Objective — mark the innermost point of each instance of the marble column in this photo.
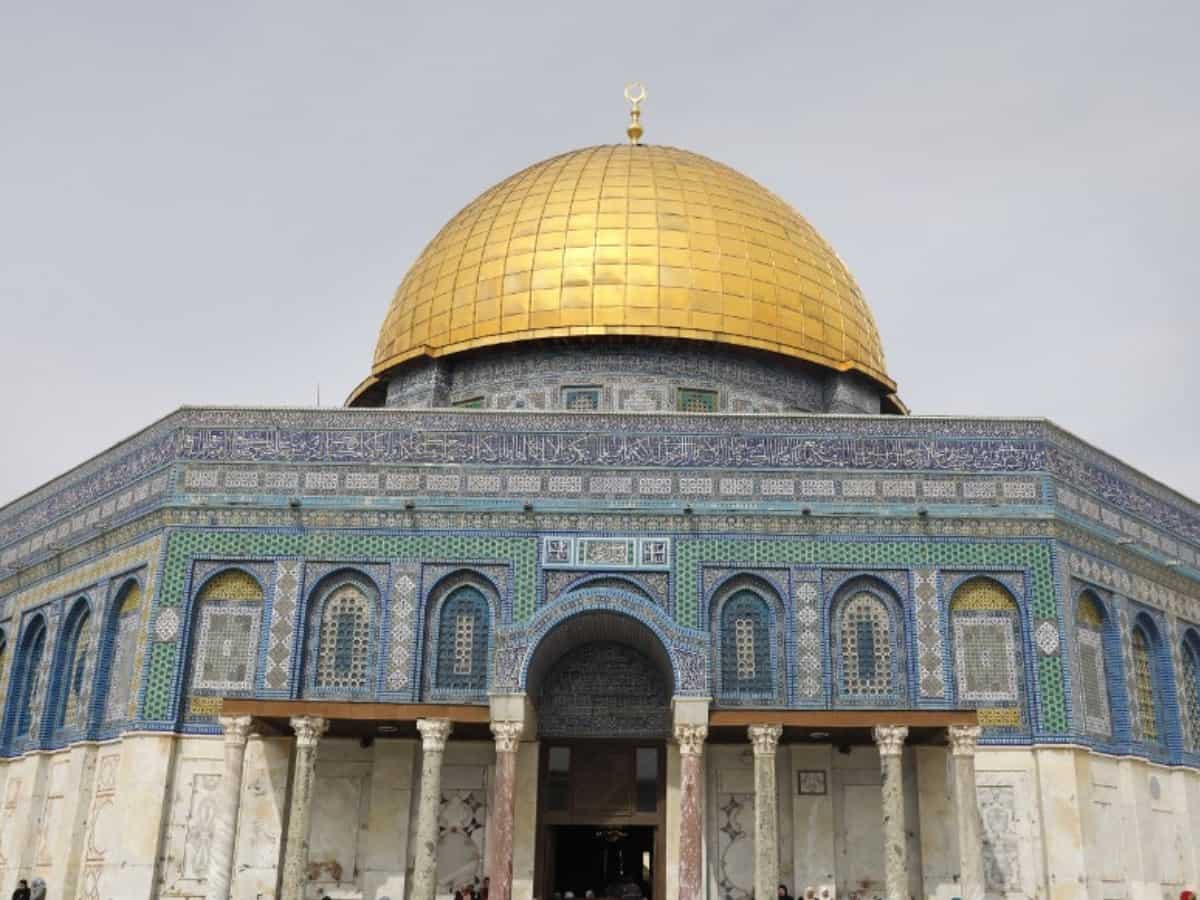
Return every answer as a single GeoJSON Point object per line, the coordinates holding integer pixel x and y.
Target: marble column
{"type": "Point", "coordinates": [765, 739]}
{"type": "Point", "coordinates": [295, 850]}
{"type": "Point", "coordinates": [504, 801]}
{"type": "Point", "coordinates": [890, 740]}
{"type": "Point", "coordinates": [434, 733]}
{"type": "Point", "coordinates": [691, 815]}
{"type": "Point", "coordinates": [220, 856]}
{"type": "Point", "coordinates": [963, 739]}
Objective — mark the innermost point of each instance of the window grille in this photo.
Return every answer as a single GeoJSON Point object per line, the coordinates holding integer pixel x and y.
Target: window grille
{"type": "Point", "coordinates": [696, 400]}
{"type": "Point", "coordinates": [746, 665]}
{"type": "Point", "coordinates": [581, 398]}
{"type": "Point", "coordinates": [1191, 695]}
{"type": "Point", "coordinates": [1143, 687]}
{"type": "Point", "coordinates": [343, 648]}
{"type": "Point", "coordinates": [461, 662]}
{"type": "Point", "coordinates": [1089, 665]}
{"type": "Point", "coordinates": [866, 645]}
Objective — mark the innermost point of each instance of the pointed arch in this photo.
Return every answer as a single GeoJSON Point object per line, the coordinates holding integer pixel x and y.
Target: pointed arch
{"type": "Point", "coordinates": [988, 653]}
{"type": "Point", "coordinates": [746, 610]}
{"type": "Point", "coordinates": [120, 664]}
{"type": "Point", "coordinates": [73, 688]}
{"type": "Point", "coordinates": [1092, 631]}
{"type": "Point", "coordinates": [226, 616]}
{"type": "Point", "coordinates": [460, 617]}
{"type": "Point", "coordinates": [1146, 679]}
{"type": "Point", "coordinates": [867, 628]}
{"type": "Point", "coordinates": [1189, 706]}
{"type": "Point", "coordinates": [342, 636]}
{"type": "Point", "coordinates": [29, 679]}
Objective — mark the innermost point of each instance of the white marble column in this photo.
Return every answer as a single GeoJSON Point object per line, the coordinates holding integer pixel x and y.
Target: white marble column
{"type": "Point", "coordinates": [691, 819]}
{"type": "Point", "coordinates": [295, 851]}
{"type": "Point", "coordinates": [434, 733]}
{"type": "Point", "coordinates": [963, 739]}
{"type": "Point", "coordinates": [890, 740]}
{"type": "Point", "coordinates": [220, 858]}
{"type": "Point", "coordinates": [504, 801]}
{"type": "Point", "coordinates": [765, 739]}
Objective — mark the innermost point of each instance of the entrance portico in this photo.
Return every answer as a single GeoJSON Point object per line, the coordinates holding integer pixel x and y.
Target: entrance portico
{"type": "Point", "coordinates": [666, 853]}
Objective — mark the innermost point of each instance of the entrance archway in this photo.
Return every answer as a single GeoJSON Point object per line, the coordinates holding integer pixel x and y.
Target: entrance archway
{"type": "Point", "coordinates": [601, 683]}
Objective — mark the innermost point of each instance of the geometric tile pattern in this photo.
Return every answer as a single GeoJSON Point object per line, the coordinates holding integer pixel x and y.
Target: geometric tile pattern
{"type": "Point", "coordinates": [226, 646]}
{"type": "Point", "coordinates": [402, 625]}
{"type": "Point", "coordinates": [930, 678]}
{"type": "Point", "coordinates": [1032, 555]}
{"type": "Point", "coordinates": [806, 598]}
{"type": "Point", "coordinates": [288, 575]}
{"type": "Point", "coordinates": [985, 630]}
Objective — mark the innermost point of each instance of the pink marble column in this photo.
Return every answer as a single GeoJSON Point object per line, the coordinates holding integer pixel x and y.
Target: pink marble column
{"type": "Point", "coordinates": [504, 800]}
{"type": "Point", "coordinates": [691, 816]}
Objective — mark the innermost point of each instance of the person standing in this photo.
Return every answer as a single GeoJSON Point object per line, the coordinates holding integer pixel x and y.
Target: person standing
{"type": "Point", "coordinates": [782, 893]}
{"type": "Point", "coordinates": [22, 891]}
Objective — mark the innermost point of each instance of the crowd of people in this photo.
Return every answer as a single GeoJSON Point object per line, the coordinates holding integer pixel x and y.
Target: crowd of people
{"type": "Point", "coordinates": [30, 891]}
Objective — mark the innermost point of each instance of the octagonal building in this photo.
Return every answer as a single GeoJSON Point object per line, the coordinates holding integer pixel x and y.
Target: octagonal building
{"type": "Point", "coordinates": [625, 569]}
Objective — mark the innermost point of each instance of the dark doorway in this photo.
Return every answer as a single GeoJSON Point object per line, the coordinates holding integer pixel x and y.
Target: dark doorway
{"type": "Point", "coordinates": [612, 861]}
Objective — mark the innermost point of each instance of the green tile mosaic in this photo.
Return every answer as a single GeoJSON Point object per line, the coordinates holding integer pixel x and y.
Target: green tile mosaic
{"type": "Point", "coordinates": [185, 545]}
{"type": "Point", "coordinates": [1033, 556]}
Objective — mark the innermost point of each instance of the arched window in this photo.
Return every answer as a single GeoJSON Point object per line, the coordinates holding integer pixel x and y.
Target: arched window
{"type": "Point", "coordinates": [463, 640]}
{"type": "Point", "coordinates": [746, 666]}
{"type": "Point", "coordinates": [123, 626]}
{"type": "Point", "coordinates": [225, 641]}
{"type": "Point", "coordinates": [345, 646]}
{"type": "Point", "coordinates": [74, 688]}
{"type": "Point", "coordinates": [985, 631]}
{"type": "Point", "coordinates": [3, 670]}
{"type": "Point", "coordinates": [1145, 688]}
{"type": "Point", "coordinates": [33, 672]}
{"type": "Point", "coordinates": [1190, 705]}
{"type": "Point", "coordinates": [864, 653]}
{"type": "Point", "coordinates": [1092, 684]}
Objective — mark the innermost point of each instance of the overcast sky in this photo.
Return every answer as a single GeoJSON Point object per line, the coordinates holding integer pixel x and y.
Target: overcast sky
{"type": "Point", "coordinates": [213, 202]}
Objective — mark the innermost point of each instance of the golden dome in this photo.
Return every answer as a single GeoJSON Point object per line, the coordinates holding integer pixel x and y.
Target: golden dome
{"type": "Point", "coordinates": [631, 240]}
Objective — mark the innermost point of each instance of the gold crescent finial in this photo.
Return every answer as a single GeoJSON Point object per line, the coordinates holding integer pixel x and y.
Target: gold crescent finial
{"type": "Point", "coordinates": [635, 93]}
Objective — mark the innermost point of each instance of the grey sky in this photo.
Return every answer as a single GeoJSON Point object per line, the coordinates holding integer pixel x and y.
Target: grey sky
{"type": "Point", "coordinates": [213, 202]}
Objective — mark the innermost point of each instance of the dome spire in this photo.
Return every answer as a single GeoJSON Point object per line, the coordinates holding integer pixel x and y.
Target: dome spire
{"type": "Point", "coordinates": [635, 93]}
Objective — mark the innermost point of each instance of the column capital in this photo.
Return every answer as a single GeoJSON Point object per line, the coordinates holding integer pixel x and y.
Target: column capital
{"type": "Point", "coordinates": [309, 729]}
{"type": "Point", "coordinates": [235, 728]}
{"type": "Point", "coordinates": [890, 739]}
{"type": "Point", "coordinates": [434, 733]}
{"type": "Point", "coordinates": [690, 739]}
{"type": "Point", "coordinates": [963, 739]}
{"type": "Point", "coordinates": [765, 738]}
{"type": "Point", "coordinates": [508, 736]}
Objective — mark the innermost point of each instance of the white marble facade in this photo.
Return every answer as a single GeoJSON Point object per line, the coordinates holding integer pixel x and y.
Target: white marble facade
{"type": "Point", "coordinates": [133, 819]}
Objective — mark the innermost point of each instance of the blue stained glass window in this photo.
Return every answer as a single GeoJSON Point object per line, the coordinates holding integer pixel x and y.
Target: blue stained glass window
{"type": "Point", "coordinates": [343, 654]}
{"type": "Point", "coordinates": [746, 645]}
{"type": "Point", "coordinates": [866, 667]}
{"type": "Point", "coordinates": [461, 662]}
{"type": "Point", "coordinates": [866, 650]}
